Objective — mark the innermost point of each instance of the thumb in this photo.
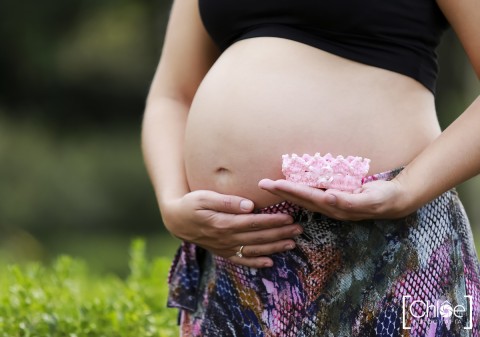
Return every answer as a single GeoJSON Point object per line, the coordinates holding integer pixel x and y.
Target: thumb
{"type": "Point", "coordinates": [246, 205]}
{"type": "Point", "coordinates": [227, 203]}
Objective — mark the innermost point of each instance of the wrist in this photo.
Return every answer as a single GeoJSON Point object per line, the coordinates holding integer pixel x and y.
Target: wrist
{"type": "Point", "coordinates": [406, 202]}
{"type": "Point", "coordinates": [170, 217]}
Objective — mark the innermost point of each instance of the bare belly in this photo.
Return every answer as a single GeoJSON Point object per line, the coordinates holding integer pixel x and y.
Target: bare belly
{"type": "Point", "coordinates": [265, 97]}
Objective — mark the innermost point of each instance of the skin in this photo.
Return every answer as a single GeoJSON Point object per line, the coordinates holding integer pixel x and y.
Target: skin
{"type": "Point", "coordinates": [203, 128]}
{"type": "Point", "coordinates": [456, 152]}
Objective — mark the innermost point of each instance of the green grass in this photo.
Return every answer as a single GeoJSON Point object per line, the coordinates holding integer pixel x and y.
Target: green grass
{"type": "Point", "coordinates": [108, 252]}
{"type": "Point", "coordinates": [66, 299]}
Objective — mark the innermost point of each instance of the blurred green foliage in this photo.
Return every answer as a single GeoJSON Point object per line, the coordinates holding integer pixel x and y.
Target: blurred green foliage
{"type": "Point", "coordinates": [74, 194]}
{"type": "Point", "coordinates": [74, 77]}
{"type": "Point", "coordinates": [65, 299]}
{"type": "Point", "coordinates": [79, 61]}
{"type": "Point", "coordinates": [74, 182]}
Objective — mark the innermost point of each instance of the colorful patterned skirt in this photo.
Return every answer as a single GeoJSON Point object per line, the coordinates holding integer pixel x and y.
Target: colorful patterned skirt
{"type": "Point", "coordinates": [414, 276]}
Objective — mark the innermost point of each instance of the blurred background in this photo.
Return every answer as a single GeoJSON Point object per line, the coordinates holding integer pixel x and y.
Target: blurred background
{"type": "Point", "coordinates": [73, 80]}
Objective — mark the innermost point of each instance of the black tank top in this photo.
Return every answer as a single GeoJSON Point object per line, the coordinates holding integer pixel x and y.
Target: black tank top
{"type": "Point", "coordinates": [398, 35]}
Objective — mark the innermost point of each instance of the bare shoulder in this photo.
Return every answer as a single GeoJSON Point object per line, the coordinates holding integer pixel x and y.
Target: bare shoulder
{"type": "Point", "coordinates": [464, 16]}
{"type": "Point", "coordinates": [188, 53]}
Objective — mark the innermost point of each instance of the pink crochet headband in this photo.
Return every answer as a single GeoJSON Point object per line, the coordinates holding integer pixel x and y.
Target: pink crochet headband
{"type": "Point", "coordinates": [326, 171]}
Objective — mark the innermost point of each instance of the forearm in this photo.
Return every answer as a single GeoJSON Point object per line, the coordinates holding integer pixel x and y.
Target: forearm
{"type": "Point", "coordinates": [162, 145]}
{"type": "Point", "coordinates": [451, 159]}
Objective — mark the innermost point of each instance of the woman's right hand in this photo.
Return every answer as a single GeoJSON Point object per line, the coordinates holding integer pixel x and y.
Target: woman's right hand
{"type": "Point", "coordinates": [223, 223]}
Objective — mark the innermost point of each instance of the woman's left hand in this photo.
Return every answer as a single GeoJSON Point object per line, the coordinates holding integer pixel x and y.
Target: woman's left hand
{"type": "Point", "coordinates": [374, 200]}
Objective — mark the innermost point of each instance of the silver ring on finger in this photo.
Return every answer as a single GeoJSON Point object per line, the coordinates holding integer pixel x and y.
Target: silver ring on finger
{"type": "Point", "coordinates": [239, 252]}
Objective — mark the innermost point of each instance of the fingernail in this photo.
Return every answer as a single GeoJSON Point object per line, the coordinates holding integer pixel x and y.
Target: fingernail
{"type": "Point", "coordinates": [264, 183]}
{"type": "Point", "coordinates": [246, 205]}
{"type": "Point", "coordinates": [268, 264]}
{"type": "Point", "coordinates": [331, 199]}
{"type": "Point", "coordinates": [297, 231]}
{"type": "Point", "coordinates": [289, 247]}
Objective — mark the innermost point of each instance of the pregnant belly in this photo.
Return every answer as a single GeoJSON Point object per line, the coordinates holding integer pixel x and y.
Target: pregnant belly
{"type": "Point", "coordinates": [266, 97]}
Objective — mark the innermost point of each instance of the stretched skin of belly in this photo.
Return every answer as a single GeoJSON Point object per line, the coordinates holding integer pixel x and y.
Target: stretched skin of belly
{"type": "Point", "coordinates": [265, 97]}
